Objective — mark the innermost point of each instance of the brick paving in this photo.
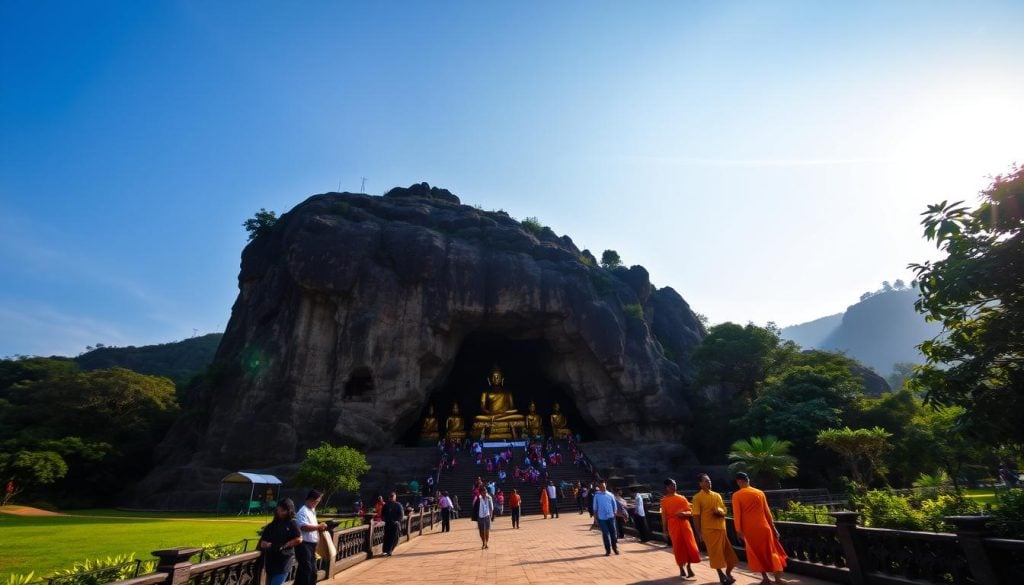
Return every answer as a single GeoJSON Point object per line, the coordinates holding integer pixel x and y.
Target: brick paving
{"type": "Point", "coordinates": [542, 551]}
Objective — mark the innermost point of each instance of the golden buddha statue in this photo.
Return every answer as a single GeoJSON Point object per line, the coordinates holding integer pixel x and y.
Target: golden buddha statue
{"type": "Point", "coordinates": [534, 422]}
{"type": "Point", "coordinates": [428, 432]}
{"type": "Point", "coordinates": [455, 426]}
{"type": "Point", "coordinates": [559, 426]}
{"type": "Point", "coordinates": [498, 418]}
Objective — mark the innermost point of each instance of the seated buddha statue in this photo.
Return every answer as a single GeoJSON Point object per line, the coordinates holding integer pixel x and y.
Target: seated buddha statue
{"type": "Point", "coordinates": [534, 422]}
{"type": "Point", "coordinates": [559, 426]}
{"type": "Point", "coordinates": [498, 416]}
{"type": "Point", "coordinates": [455, 426]}
{"type": "Point", "coordinates": [428, 432]}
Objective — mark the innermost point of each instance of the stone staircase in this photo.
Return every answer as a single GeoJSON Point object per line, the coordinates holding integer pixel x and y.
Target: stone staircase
{"type": "Point", "coordinates": [459, 482]}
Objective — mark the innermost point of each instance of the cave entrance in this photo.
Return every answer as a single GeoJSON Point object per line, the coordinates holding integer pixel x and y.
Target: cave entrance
{"type": "Point", "coordinates": [526, 364]}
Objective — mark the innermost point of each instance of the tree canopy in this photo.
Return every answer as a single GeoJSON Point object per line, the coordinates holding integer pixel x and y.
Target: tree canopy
{"type": "Point", "coordinates": [977, 292]}
{"type": "Point", "coordinates": [102, 425]}
{"type": "Point", "coordinates": [331, 469]}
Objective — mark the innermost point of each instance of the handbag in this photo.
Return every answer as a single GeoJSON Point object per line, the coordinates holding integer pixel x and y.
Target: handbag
{"type": "Point", "coordinates": [476, 510]}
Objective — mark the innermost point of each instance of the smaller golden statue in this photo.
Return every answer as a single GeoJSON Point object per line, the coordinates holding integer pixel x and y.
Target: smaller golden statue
{"type": "Point", "coordinates": [428, 432]}
{"type": "Point", "coordinates": [455, 426]}
{"type": "Point", "coordinates": [534, 422]}
{"type": "Point", "coordinates": [559, 426]}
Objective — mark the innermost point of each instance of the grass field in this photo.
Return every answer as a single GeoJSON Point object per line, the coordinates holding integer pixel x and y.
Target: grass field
{"type": "Point", "coordinates": [44, 544]}
{"type": "Point", "coordinates": [983, 496]}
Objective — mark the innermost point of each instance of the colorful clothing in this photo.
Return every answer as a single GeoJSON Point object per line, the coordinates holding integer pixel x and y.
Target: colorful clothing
{"type": "Point", "coordinates": [684, 545]}
{"type": "Point", "coordinates": [544, 504]}
{"type": "Point", "coordinates": [712, 529]}
{"type": "Point", "coordinates": [753, 519]}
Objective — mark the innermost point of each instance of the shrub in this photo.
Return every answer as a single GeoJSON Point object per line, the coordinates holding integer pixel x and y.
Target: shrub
{"type": "Point", "coordinates": [533, 225]}
{"type": "Point", "coordinates": [882, 509]}
{"type": "Point", "coordinates": [935, 511]}
{"type": "Point", "coordinates": [798, 512]}
{"type": "Point", "coordinates": [100, 571]}
{"type": "Point", "coordinates": [260, 223]}
{"type": "Point", "coordinates": [1008, 513]}
{"type": "Point", "coordinates": [633, 310]}
{"type": "Point", "coordinates": [20, 579]}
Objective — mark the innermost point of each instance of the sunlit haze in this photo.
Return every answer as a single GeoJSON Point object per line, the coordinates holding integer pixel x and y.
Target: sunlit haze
{"type": "Point", "coordinates": [768, 160]}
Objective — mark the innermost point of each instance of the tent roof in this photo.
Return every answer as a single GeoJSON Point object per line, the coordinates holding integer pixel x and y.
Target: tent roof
{"type": "Point", "coordinates": [253, 478]}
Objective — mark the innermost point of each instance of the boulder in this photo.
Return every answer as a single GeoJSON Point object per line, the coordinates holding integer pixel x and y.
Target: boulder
{"type": "Point", "coordinates": [352, 308]}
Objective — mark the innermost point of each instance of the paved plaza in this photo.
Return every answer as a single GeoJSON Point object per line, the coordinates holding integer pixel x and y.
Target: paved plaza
{"type": "Point", "coordinates": [542, 551]}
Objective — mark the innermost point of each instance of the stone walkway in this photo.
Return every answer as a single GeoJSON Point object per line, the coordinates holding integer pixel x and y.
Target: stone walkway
{"type": "Point", "coordinates": [542, 551]}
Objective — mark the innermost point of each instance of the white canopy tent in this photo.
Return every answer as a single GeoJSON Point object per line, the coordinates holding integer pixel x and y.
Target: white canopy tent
{"type": "Point", "coordinates": [253, 480]}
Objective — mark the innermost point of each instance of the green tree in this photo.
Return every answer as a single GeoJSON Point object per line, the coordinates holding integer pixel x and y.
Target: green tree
{"type": "Point", "coordinates": [330, 469]}
{"type": "Point", "coordinates": [104, 424]}
{"type": "Point", "coordinates": [260, 223]}
{"type": "Point", "coordinates": [977, 292]}
{"type": "Point", "coordinates": [767, 459]}
{"type": "Point", "coordinates": [737, 359]}
{"type": "Point", "coordinates": [29, 469]}
{"type": "Point", "coordinates": [862, 449]}
{"type": "Point", "coordinates": [801, 402]}
{"type": "Point", "coordinates": [939, 440]}
{"type": "Point", "coordinates": [901, 372]}
{"type": "Point", "coordinates": [610, 259]}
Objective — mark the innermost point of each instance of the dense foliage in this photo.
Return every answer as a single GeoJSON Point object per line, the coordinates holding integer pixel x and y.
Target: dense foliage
{"type": "Point", "coordinates": [181, 361]}
{"type": "Point", "coordinates": [756, 385]}
{"type": "Point", "coordinates": [977, 292]}
{"type": "Point", "coordinates": [74, 437]}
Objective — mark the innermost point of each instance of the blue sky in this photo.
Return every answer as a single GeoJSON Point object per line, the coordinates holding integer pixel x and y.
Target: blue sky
{"type": "Point", "coordinates": [767, 159]}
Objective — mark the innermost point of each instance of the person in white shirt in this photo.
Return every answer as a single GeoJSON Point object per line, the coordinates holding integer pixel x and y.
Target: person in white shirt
{"type": "Point", "coordinates": [485, 514]}
{"type": "Point", "coordinates": [640, 516]}
{"type": "Point", "coordinates": [553, 498]}
{"type": "Point", "coordinates": [305, 553]}
{"type": "Point", "coordinates": [446, 505]}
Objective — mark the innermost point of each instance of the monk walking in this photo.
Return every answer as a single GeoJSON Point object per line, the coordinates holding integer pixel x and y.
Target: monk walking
{"type": "Point", "coordinates": [709, 520]}
{"type": "Point", "coordinates": [756, 528]}
{"type": "Point", "coordinates": [544, 503]}
{"type": "Point", "coordinates": [675, 518]}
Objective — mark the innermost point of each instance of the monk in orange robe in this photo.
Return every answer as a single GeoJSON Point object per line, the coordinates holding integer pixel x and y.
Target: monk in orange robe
{"type": "Point", "coordinates": [544, 504]}
{"type": "Point", "coordinates": [756, 528]}
{"type": "Point", "coordinates": [675, 520]}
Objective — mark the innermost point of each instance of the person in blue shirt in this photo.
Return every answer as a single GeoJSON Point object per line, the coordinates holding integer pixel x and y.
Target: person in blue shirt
{"type": "Point", "coordinates": [604, 509]}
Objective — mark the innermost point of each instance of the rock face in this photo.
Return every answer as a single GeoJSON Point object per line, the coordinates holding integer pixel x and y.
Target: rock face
{"type": "Point", "coordinates": [352, 309]}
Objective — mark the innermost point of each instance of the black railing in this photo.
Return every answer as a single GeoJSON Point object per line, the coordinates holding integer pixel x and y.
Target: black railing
{"type": "Point", "coordinates": [178, 566]}
{"type": "Point", "coordinates": [846, 553]}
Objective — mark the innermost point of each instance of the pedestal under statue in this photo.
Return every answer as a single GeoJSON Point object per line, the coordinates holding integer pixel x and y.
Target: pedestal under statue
{"type": "Point", "coordinates": [498, 418]}
{"type": "Point", "coordinates": [455, 425]}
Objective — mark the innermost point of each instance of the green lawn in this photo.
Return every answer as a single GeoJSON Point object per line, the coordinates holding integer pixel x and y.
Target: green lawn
{"type": "Point", "coordinates": [982, 496]}
{"type": "Point", "coordinates": [48, 543]}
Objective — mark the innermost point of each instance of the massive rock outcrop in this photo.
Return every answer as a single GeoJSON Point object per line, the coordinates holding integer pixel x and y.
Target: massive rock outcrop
{"type": "Point", "coordinates": [352, 309]}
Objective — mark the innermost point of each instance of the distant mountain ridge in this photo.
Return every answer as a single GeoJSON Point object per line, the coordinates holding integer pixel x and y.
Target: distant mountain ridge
{"type": "Point", "coordinates": [880, 331]}
{"type": "Point", "coordinates": [178, 360]}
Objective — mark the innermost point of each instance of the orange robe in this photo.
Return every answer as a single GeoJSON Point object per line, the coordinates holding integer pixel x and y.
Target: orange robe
{"type": "Point", "coordinates": [544, 507]}
{"type": "Point", "coordinates": [753, 519]}
{"type": "Point", "coordinates": [684, 545]}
